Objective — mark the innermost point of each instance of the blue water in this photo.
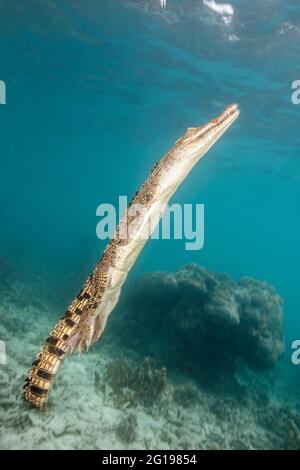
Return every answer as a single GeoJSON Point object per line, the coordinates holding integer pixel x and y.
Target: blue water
{"type": "Point", "coordinates": [98, 91]}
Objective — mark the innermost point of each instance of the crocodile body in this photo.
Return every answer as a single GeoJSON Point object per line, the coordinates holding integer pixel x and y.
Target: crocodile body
{"type": "Point", "coordinates": [85, 319]}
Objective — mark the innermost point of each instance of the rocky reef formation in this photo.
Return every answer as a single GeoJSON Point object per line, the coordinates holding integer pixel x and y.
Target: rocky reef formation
{"type": "Point", "coordinates": [133, 402]}
{"type": "Point", "coordinates": [201, 322]}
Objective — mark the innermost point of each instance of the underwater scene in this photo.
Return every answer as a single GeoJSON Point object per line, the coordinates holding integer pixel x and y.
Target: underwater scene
{"type": "Point", "coordinates": [103, 102]}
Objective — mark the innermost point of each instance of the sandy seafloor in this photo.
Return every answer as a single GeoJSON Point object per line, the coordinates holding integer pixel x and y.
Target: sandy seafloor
{"type": "Point", "coordinates": [82, 411]}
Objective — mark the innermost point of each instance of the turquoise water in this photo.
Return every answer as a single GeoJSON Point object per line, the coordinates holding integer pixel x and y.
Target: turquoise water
{"type": "Point", "coordinates": [97, 91]}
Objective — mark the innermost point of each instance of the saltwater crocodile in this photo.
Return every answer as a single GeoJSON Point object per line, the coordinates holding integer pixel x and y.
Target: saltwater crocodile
{"type": "Point", "coordinates": [85, 319]}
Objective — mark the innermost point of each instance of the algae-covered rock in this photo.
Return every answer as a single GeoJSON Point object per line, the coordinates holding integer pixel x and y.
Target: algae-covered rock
{"type": "Point", "coordinates": [126, 429]}
{"type": "Point", "coordinates": [186, 395]}
{"type": "Point", "coordinates": [201, 322]}
{"type": "Point", "coordinates": [135, 384]}
{"type": "Point", "coordinates": [284, 423]}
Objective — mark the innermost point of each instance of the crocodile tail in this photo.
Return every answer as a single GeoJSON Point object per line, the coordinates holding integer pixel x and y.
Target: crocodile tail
{"type": "Point", "coordinates": [41, 375]}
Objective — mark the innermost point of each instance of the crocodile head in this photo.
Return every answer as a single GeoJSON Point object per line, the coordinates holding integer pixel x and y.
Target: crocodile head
{"type": "Point", "coordinates": [198, 140]}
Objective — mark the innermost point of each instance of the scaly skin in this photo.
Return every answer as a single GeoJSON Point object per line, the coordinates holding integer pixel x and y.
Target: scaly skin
{"type": "Point", "coordinates": [86, 317]}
